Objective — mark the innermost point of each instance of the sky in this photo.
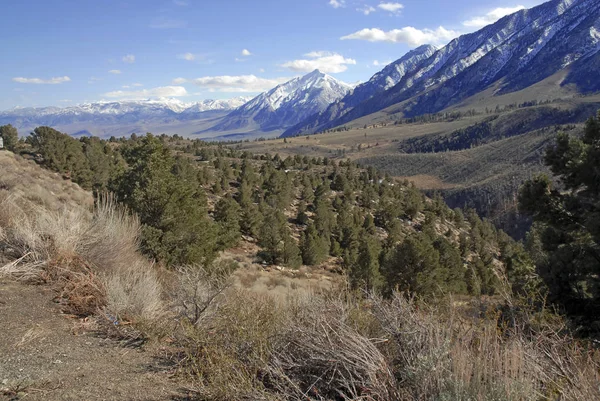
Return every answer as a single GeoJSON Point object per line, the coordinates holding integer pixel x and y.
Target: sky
{"type": "Point", "coordinates": [67, 52]}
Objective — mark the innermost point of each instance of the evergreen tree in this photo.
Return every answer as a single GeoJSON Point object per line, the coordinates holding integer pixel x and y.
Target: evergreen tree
{"type": "Point", "coordinates": [270, 236]}
{"type": "Point", "coordinates": [569, 220]}
{"type": "Point", "coordinates": [175, 224]}
{"type": "Point", "coordinates": [227, 215]}
{"type": "Point", "coordinates": [415, 266]}
{"type": "Point", "coordinates": [10, 137]}
{"type": "Point", "coordinates": [314, 248]}
{"type": "Point", "coordinates": [61, 153]}
{"type": "Point", "coordinates": [290, 253]}
{"type": "Point", "coordinates": [251, 220]}
{"type": "Point", "coordinates": [364, 272]}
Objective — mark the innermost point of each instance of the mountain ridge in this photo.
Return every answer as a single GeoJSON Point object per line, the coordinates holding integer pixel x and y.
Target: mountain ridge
{"type": "Point", "coordinates": [522, 48]}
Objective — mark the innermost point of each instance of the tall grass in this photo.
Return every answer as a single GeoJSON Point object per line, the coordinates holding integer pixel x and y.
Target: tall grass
{"type": "Point", "coordinates": [93, 256]}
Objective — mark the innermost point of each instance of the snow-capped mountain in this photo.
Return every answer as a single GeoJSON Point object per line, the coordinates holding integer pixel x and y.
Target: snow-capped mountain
{"type": "Point", "coordinates": [116, 112]}
{"type": "Point", "coordinates": [286, 104]}
{"type": "Point", "coordinates": [516, 52]}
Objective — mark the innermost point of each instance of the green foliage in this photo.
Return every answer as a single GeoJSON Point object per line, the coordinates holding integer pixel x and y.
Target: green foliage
{"type": "Point", "coordinates": [61, 153]}
{"type": "Point", "coordinates": [568, 220]}
{"type": "Point", "coordinates": [364, 272]}
{"type": "Point", "coordinates": [227, 215]}
{"type": "Point", "coordinates": [313, 246]}
{"type": "Point", "coordinates": [290, 254]}
{"type": "Point", "coordinates": [365, 221]}
{"type": "Point", "coordinates": [170, 203]}
{"type": "Point", "coordinates": [272, 233]}
{"type": "Point", "coordinates": [10, 137]}
{"type": "Point", "coordinates": [414, 266]}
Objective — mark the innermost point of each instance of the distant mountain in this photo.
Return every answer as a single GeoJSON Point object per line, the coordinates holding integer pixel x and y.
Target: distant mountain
{"type": "Point", "coordinates": [118, 112]}
{"type": "Point", "coordinates": [383, 80]}
{"type": "Point", "coordinates": [286, 104]}
{"type": "Point", "coordinates": [514, 53]}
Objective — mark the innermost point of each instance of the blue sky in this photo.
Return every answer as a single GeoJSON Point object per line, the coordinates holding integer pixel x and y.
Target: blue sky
{"type": "Point", "coordinates": [65, 52]}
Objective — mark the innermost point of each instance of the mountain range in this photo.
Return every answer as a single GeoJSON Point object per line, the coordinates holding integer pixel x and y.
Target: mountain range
{"type": "Point", "coordinates": [512, 54]}
{"type": "Point", "coordinates": [560, 39]}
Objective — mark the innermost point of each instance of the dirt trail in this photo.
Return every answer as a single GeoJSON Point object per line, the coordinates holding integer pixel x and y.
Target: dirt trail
{"type": "Point", "coordinates": [44, 357]}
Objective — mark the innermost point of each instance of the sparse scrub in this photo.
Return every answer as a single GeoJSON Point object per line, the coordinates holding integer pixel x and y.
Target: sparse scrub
{"type": "Point", "coordinates": [92, 256]}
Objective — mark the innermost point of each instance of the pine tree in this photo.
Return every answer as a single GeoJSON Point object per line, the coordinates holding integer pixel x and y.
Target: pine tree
{"type": "Point", "coordinates": [227, 215]}
{"type": "Point", "coordinates": [271, 235]}
{"type": "Point", "coordinates": [175, 224]}
{"type": "Point", "coordinates": [569, 219]}
{"type": "Point", "coordinates": [290, 253]}
{"type": "Point", "coordinates": [314, 248]}
{"type": "Point", "coordinates": [10, 137]}
{"type": "Point", "coordinates": [414, 266]}
{"type": "Point", "coordinates": [62, 154]}
{"type": "Point", "coordinates": [364, 272]}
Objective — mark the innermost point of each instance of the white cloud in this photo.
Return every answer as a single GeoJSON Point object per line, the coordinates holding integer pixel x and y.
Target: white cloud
{"type": "Point", "coordinates": [125, 86]}
{"type": "Point", "coordinates": [137, 85]}
{"type": "Point", "coordinates": [377, 63]}
{"type": "Point", "coordinates": [261, 70]}
{"type": "Point", "coordinates": [164, 91]}
{"type": "Point", "coordinates": [337, 3]}
{"type": "Point", "coordinates": [491, 17]}
{"type": "Point", "coordinates": [116, 72]}
{"type": "Point", "coordinates": [93, 80]}
{"type": "Point", "coordinates": [366, 10]}
{"type": "Point", "coordinates": [246, 53]}
{"type": "Point", "coordinates": [166, 23]}
{"type": "Point", "coordinates": [393, 8]}
{"type": "Point", "coordinates": [187, 56]}
{"type": "Point", "coordinates": [129, 59]}
{"type": "Point", "coordinates": [324, 61]}
{"type": "Point", "coordinates": [408, 35]}
{"type": "Point", "coordinates": [240, 83]}
{"type": "Point", "coordinates": [40, 81]}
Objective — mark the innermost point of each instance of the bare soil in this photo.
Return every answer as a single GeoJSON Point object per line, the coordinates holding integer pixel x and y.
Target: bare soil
{"type": "Point", "coordinates": [47, 355]}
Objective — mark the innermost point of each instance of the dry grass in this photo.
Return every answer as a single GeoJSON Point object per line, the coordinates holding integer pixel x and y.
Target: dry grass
{"type": "Point", "coordinates": [90, 254]}
{"type": "Point", "coordinates": [345, 348]}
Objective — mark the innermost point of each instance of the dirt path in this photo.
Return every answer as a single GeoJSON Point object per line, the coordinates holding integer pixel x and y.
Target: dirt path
{"type": "Point", "coordinates": [44, 357]}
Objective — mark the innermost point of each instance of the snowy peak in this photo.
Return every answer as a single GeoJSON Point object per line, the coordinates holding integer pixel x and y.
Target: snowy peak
{"type": "Point", "coordinates": [108, 116]}
{"type": "Point", "coordinates": [287, 104]}
{"type": "Point", "coordinates": [299, 90]}
{"type": "Point", "coordinates": [119, 108]}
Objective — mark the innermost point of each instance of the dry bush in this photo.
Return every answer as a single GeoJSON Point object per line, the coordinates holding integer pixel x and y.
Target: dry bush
{"type": "Point", "coordinates": [113, 236]}
{"type": "Point", "coordinates": [442, 356]}
{"type": "Point", "coordinates": [93, 257]}
{"type": "Point", "coordinates": [197, 291]}
{"type": "Point", "coordinates": [320, 356]}
{"type": "Point", "coordinates": [225, 355]}
{"type": "Point", "coordinates": [253, 347]}
{"type": "Point", "coordinates": [134, 292]}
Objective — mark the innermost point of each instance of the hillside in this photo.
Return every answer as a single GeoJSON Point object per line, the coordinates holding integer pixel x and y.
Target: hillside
{"type": "Point", "coordinates": [276, 247]}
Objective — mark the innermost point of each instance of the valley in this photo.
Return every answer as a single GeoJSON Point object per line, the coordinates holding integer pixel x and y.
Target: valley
{"type": "Point", "coordinates": [257, 207]}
